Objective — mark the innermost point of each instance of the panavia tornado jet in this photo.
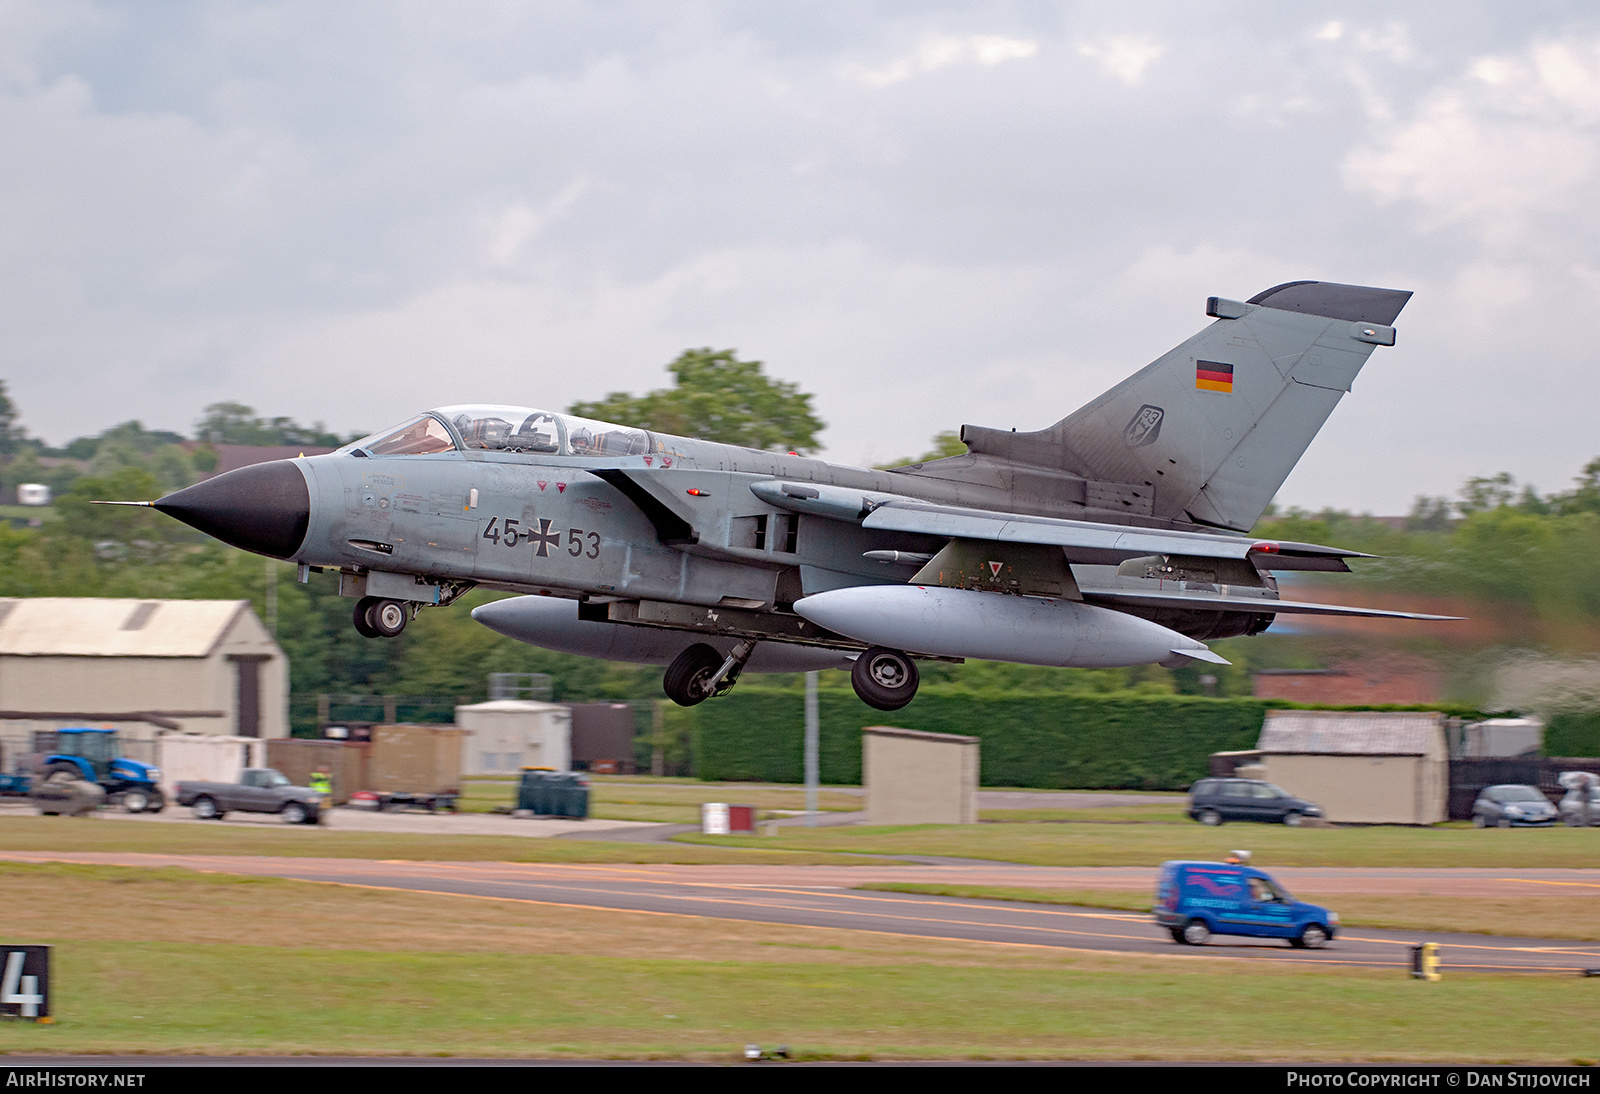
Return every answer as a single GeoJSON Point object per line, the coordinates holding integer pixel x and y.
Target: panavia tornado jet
{"type": "Point", "coordinates": [1118, 536]}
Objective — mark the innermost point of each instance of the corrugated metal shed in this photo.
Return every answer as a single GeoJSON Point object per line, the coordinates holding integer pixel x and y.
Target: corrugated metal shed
{"type": "Point", "coordinates": [1352, 733]}
{"type": "Point", "coordinates": [95, 627]}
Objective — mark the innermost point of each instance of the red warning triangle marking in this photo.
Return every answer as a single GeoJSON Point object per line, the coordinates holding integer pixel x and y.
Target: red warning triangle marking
{"type": "Point", "coordinates": [994, 568]}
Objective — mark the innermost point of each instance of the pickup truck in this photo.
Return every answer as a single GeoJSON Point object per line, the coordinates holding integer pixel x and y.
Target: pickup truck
{"type": "Point", "coordinates": [259, 790]}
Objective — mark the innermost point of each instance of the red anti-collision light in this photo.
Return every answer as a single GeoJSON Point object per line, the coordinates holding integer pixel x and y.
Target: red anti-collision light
{"type": "Point", "coordinates": [1265, 548]}
{"type": "Point", "coordinates": [697, 493]}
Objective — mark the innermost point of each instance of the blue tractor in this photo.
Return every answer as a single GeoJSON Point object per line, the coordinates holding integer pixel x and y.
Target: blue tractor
{"type": "Point", "coordinates": [91, 755]}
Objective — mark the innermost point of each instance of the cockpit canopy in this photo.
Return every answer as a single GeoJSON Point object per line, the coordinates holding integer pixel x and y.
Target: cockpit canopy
{"type": "Point", "coordinates": [506, 429]}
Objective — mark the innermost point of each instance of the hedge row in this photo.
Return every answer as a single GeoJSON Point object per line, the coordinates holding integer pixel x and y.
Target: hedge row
{"type": "Point", "coordinates": [1573, 733]}
{"type": "Point", "coordinates": [1153, 742]}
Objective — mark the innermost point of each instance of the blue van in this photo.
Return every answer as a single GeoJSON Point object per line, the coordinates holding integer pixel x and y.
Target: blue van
{"type": "Point", "coordinates": [1195, 900]}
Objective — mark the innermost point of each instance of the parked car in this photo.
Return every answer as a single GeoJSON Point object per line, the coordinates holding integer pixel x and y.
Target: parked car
{"type": "Point", "coordinates": [1195, 900]}
{"type": "Point", "coordinates": [1511, 806]}
{"type": "Point", "coordinates": [1212, 801]}
{"type": "Point", "coordinates": [259, 790]}
{"type": "Point", "coordinates": [1580, 785]}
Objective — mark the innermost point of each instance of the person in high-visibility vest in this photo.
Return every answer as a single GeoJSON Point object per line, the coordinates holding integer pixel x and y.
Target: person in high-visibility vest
{"type": "Point", "coordinates": [322, 786]}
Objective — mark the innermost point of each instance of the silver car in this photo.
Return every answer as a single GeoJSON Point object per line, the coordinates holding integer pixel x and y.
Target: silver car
{"type": "Point", "coordinates": [1511, 806]}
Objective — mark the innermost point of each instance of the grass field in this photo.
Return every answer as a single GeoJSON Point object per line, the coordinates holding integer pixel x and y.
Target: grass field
{"type": "Point", "coordinates": [27, 833]}
{"type": "Point", "coordinates": [669, 801]}
{"type": "Point", "coordinates": [267, 966]}
{"type": "Point", "coordinates": [1149, 844]}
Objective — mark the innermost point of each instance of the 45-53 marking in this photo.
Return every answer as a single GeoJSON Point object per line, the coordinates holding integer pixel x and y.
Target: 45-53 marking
{"type": "Point", "coordinates": [510, 532]}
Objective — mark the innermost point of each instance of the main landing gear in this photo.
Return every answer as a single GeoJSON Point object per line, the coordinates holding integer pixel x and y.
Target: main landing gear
{"type": "Point", "coordinates": [884, 678]}
{"type": "Point", "coordinates": [700, 672]}
{"type": "Point", "coordinates": [379, 618]}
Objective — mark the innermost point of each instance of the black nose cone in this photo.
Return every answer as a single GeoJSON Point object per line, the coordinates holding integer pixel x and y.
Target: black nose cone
{"type": "Point", "coordinates": [263, 508]}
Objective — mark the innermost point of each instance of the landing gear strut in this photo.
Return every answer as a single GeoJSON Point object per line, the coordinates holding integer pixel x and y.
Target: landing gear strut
{"type": "Point", "coordinates": [883, 678]}
{"type": "Point", "coordinates": [700, 672]}
{"type": "Point", "coordinates": [379, 618]}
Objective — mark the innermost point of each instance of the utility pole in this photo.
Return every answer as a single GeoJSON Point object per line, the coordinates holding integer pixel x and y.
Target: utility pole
{"type": "Point", "coordinates": [812, 763]}
{"type": "Point", "coordinates": [658, 735]}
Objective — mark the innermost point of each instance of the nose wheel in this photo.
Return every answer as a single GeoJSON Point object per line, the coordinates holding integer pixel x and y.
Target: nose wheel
{"type": "Point", "coordinates": [687, 679]}
{"type": "Point", "coordinates": [700, 672]}
{"type": "Point", "coordinates": [883, 678]}
{"type": "Point", "coordinates": [379, 618]}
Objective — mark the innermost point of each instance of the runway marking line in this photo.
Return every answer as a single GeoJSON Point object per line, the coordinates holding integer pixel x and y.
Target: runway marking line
{"type": "Point", "coordinates": [840, 891]}
{"type": "Point", "coordinates": [1542, 881]}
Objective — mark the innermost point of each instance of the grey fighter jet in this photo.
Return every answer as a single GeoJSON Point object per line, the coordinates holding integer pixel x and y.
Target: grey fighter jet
{"type": "Point", "coordinates": [1118, 536]}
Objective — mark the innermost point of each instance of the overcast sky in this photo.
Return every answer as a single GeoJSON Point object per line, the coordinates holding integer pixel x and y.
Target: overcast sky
{"type": "Point", "coordinates": [924, 213]}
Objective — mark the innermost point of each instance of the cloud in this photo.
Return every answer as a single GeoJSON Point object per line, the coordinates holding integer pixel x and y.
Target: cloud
{"type": "Point", "coordinates": [1504, 147]}
{"type": "Point", "coordinates": [936, 51]}
{"type": "Point", "coordinates": [1124, 56]}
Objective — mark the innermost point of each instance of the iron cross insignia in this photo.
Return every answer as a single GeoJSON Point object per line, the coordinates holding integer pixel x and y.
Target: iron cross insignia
{"type": "Point", "coordinates": [545, 538]}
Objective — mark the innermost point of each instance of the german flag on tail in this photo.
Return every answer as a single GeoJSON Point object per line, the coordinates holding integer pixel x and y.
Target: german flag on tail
{"type": "Point", "coordinates": [1213, 376]}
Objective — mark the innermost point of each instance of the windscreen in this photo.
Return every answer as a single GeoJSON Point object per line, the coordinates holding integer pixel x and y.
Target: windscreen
{"type": "Point", "coordinates": [420, 436]}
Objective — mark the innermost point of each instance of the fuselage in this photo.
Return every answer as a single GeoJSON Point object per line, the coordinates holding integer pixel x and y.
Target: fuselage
{"type": "Point", "coordinates": [481, 504]}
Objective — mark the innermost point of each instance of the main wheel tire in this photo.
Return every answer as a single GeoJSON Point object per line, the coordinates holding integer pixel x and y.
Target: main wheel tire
{"type": "Point", "coordinates": [1196, 933]}
{"type": "Point", "coordinates": [388, 618]}
{"type": "Point", "coordinates": [686, 678]}
{"type": "Point", "coordinates": [135, 801]}
{"type": "Point", "coordinates": [293, 813]}
{"type": "Point", "coordinates": [1503, 822]}
{"type": "Point", "coordinates": [1209, 817]}
{"type": "Point", "coordinates": [363, 626]}
{"type": "Point", "coordinates": [1294, 820]}
{"type": "Point", "coordinates": [1479, 821]}
{"type": "Point", "coordinates": [1177, 934]}
{"type": "Point", "coordinates": [885, 679]}
{"type": "Point", "coordinates": [1312, 937]}
{"type": "Point", "coordinates": [206, 809]}
{"type": "Point", "coordinates": [63, 772]}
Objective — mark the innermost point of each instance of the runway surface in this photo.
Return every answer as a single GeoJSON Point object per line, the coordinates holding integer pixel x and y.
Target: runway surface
{"type": "Point", "coordinates": [819, 896]}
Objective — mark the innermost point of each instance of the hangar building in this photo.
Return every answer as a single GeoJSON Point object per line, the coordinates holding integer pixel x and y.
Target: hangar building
{"type": "Point", "coordinates": [194, 666]}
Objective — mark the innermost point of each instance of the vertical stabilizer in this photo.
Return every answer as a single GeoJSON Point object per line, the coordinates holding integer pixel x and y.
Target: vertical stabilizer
{"type": "Point", "coordinates": [1212, 428]}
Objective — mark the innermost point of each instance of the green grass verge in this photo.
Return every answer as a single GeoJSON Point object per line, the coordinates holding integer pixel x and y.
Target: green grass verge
{"type": "Point", "coordinates": [259, 1000]}
{"type": "Point", "coordinates": [1152, 844]}
{"type": "Point", "coordinates": [1110, 814]}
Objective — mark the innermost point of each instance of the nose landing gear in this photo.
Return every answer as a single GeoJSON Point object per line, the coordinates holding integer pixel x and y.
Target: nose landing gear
{"type": "Point", "coordinates": [700, 672]}
{"type": "Point", "coordinates": [376, 617]}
